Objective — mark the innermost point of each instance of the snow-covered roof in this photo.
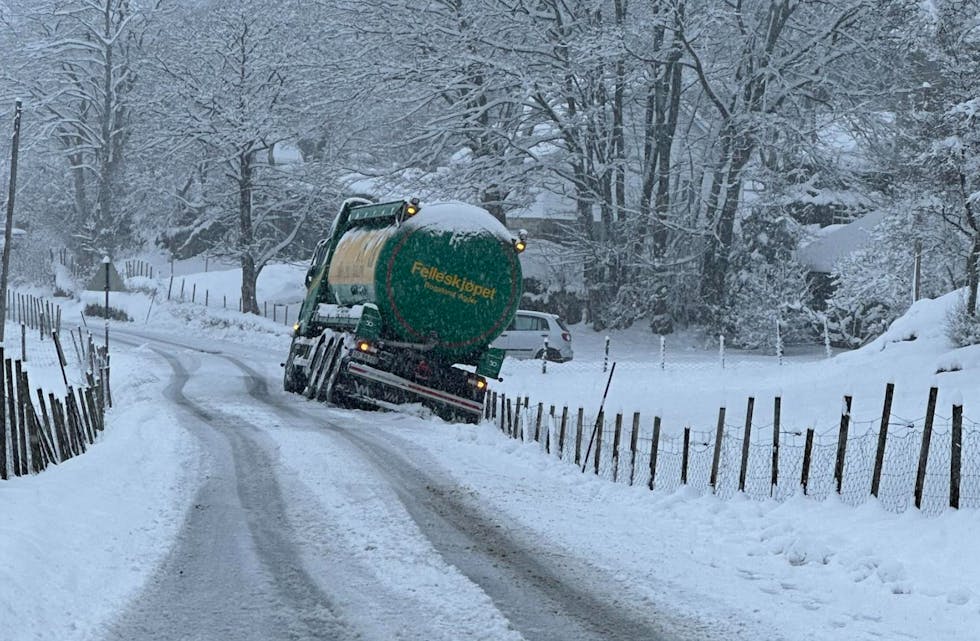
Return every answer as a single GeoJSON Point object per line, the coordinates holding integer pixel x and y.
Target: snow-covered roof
{"type": "Point", "coordinates": [822, 254]}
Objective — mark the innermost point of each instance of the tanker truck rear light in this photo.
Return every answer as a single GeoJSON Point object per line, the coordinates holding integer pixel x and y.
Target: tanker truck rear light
{"type": "Point", "coordinates": [366, 347]}
{"type": "Point", "coordinates": [520, 243]}
{"type": "Point", "coordinates": [477, 382]}
{"type": "Point", "coordinates": [412, 207]}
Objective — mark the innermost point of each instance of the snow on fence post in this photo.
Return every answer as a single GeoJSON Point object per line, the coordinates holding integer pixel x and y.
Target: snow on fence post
{"type": "Point", "coordinates": [826, 338]}
{"type": "Point", "coordinates": [663, 352]}
{"type": "Point", "coordinates": [920, 476]}
{"type": "Point", "coordinates": [779, 344]}
{"type": "Point", "coordinates": [721, 350]}
{"type": "Point", "coordinates": [716, 456]}
{"type": "Point", "coordinates": [605, 360]}
{"type": "Point", "coordinates": [544, 357]}
{"type": "Point", "coordinates": [886, 413]}
{"type": "Point", "coordinates": [746, 441]}
{"type": "Point", "coordinates": [654, 450]}
{"type": "Point", "coordinates": [845, 423]}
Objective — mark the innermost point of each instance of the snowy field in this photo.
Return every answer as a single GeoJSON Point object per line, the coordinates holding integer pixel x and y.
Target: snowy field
{"type": "Point", "coordinates": [79, 540]}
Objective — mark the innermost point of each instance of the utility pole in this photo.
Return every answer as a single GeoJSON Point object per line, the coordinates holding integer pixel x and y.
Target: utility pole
{"type": "Point", "coordinates": [105, 263]}
{"type": "Point", "coordinates": [9, 230]}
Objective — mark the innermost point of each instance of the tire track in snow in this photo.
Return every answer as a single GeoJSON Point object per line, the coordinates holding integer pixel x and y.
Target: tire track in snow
{"type": "Point", "coordinates": [544, 597]}
{"type": "Point", "coordinates": [234, 573]}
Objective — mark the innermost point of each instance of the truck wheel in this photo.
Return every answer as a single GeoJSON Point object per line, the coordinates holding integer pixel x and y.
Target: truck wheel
{"type": "Point", "coordinates": [316, 364]}
{"type": "Point", "coordinates": [292, 381]}
{"type": "Point", "coordinates": [331, 367]}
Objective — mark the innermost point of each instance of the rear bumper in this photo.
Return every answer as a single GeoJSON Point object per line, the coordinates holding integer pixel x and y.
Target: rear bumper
{"type": "Point", "coordinates": [374, 375]}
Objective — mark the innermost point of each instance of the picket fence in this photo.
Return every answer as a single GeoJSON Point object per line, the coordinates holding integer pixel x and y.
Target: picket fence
{"type": "Point", "coordinates": [931, 463]}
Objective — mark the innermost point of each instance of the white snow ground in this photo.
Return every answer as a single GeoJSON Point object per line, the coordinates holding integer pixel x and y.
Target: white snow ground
{"type": "Point", "coordinates": [80, 539]}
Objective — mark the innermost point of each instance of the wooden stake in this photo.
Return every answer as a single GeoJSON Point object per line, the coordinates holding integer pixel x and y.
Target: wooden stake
{"type": "Point", "coordinates": [634, 436]}
{"type": "Point", "coordinates": [777, 409]}
{"type": "Point", "coordinates": [561, 431]}
{"type": "Point", "coordinates": [746, 439]}
{"type": "Point", "coordinates": [617, 436]}
{"type": "Point", "coordinates": [920, 476]}
{"type": "Point", "coordinates": [807, 458]}
{"type": "Point", "coordinates": [845, 422]}
{"type": "Point", "coordinates": [686, 455]}
{"type": "Point", "coordinates": [886, 414]}
{"type": "Point", "coordinates": [654, 450]}
{"type": "Point", "coordinates": [955, 457]}
{"type": "Point", "coordinates": [579, 426]}
{"type": "Point", "coordinates": [716, 457]}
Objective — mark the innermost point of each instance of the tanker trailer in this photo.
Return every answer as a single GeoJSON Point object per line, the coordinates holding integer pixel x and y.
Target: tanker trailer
{"type": "Point", "coordinates": [402, 304]}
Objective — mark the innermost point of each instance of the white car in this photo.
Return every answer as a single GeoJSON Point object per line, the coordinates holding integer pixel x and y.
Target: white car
{"type": "Point", "coordinates": [526, 334]}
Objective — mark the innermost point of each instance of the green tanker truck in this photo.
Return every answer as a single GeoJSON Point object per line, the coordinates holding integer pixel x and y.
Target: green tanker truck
{"type": "Point", "coordinates": [402, 304]}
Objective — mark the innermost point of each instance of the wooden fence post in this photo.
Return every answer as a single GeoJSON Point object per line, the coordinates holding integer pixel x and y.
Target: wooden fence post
{"type": "Point", "coordinates": [617, 439]}
{"type": "Point", "coordinates": [3, 421]}
{"type": "Point", "coordinates": [776, 412]}
{"type": "Point", "coordinates": [561, 431]}
{"type": "Point", "coordinates": [537, 423]}
{"type": "Point", "coordinates": [547, 433]}
{"type": "Point", "coordinates": [634, 436]}
{"type": "Point", "coordinates": [600, 426]}
{"type": "Point", "coordinates": [12, 415]}
{"type": "Point", "coordinates": [21, 422]}
{"type": "Point", "coordinates": [654, 450]}
{"type": "Point", "coordinates": [579, 424]}
{"type": "Point", "coordinates": [807, 458]}
{"type": "Point", "coordinates": [955, 456]}
{"type": "Point", "coordinates": [746, 439]}
{"type": "Point", "coordinates": [920, 475]}
{"type": "Point", "coordinates": [685, 455]}
{"type": "Point", "coordinates": [886, 414]}
{"type": "Point", "coordinates": [845, 422]}
{"type": "Point", "coordinates": [716, 456]}
{"type": "Point", "coordinates": [510, 418]}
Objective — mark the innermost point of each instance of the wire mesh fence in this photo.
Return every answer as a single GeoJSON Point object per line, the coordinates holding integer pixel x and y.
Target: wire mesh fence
{"type": "Point", "coordinates": [930, 463]}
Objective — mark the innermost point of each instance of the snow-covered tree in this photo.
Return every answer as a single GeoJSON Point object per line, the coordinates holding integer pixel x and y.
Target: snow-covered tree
{"type": "Point", "coordinates": [79, 66]}
{"type": "Point", "coordinates": [235, 92]}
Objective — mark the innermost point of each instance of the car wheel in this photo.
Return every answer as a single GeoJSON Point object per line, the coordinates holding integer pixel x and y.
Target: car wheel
{"type": "Point", "coordinates": [553, 355]}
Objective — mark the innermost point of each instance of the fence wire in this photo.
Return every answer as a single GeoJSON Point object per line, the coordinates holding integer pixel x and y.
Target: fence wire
{"type": "Point", "coordinates": [691, 464]}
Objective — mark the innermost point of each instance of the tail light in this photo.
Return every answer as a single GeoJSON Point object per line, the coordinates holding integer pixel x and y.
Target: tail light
{"type": "Point", "coordinates": [366, 347]}
{"type": "Point", "coordinates": [565, 336]}
{"type": "Point", "coordinates": [476, 382]}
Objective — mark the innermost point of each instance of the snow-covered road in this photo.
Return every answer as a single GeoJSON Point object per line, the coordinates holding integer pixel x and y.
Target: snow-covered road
{"type": "Point", "coordinates": [215, 506]}
{"type": "Point", "coordinates": [274, 546]}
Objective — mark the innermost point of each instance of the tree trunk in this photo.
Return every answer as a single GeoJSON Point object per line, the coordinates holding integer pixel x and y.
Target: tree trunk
{"type": "Point", "coordinates": [246, 233]}
{"type": "Point", "coordinates": [726, 190]}
{"type": "Point", "coordinates": [973, 274]}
